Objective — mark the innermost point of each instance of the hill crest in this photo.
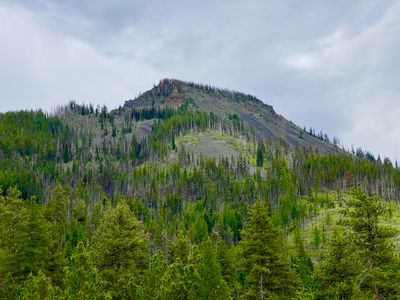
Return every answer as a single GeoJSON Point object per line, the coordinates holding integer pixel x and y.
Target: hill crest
{"type": "Point", "coordinates": [254, 113]}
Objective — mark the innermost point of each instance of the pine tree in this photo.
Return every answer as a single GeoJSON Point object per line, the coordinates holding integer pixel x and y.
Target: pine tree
{"type": "Point", "coordinates": [37, 288]}
{"type": "Point", "coordinates": [33, 243]}
{"type": "Point", "coordinates": [260, 154]}
{"type": "Point", "coordinates": [374, 245]}
{"type": "Point", "coordinates": [175, 282]}
{"type": "Point", "coordinates": [265, 261]}
{"type": "Point", "coordinates": [25, 237]}
{"type": "Point", "coordinates": [209, 281]}
{"type": "Point", "coordinates": [336, 276]}
{"type": "Point", "coordinates": [151, 283]}
{"type": "Point", "coordinates": [12, 212]}
{"type": "Point", "coordinates": [302, 263]}
{"type": "Point", "coordinates": [227, 267]}
{"type": "Point", "coordinates": [82, 279]}
{"type": "Point", "coordinates": [179, 279]}
{"type": "Point", "coordinates": [56, 213]}
{"type": "Point", "coordinates": [120, 248]}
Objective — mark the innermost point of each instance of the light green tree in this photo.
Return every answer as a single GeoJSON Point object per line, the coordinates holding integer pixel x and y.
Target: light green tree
{"type": "Point", "coordinates": [37, 287]}
{"type": "Point", "coordinates": [151, 283]}
{"type": "Point", "coordinates": [120, 249]}
{"type": "Point", "coordinates": [209, 281]}
{"type": "Point", "coordinates": [82, 279]}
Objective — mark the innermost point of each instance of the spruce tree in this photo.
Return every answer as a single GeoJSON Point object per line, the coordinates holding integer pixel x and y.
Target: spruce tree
{"type": "Point", "coordinates": [82, 279]}
{"type": "Point", "coordinates": [120, 249]}
{"type": "Point", "coordinates": [209, 281]}
{"type": "Point", "coordinates": [38, 287]}
{"type": "Point", "coordinates": [336, 276]}
{"type": "Point", "coordinates": [24, 237]}
{"type": "Point", "coordinates": [151, 283]}
{"type": "Point", "coordinates": [302, 263]}
{"type": "Point", "coordinates": [265, 261]}
{"type": "Point", "coordinates": [374, 245]}
{"type": "Point", "coordinates": [260, 154]}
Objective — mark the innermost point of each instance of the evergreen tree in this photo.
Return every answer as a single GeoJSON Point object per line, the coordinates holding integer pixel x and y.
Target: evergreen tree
{"type": "Point", "coordinates": [374, 245]}
{"type": "Point", "coordinates": [179, 279]}
{"type": "Point", "coordinates": [151, 283]}
{"type": "Point", "coordinates": [302, 263]}
{"type": "Point", "coordinates": [82, 279]}
{"type": "Point", "coordinates": [260, 154]}
{"type": "Point", "coordinates": [337, 274]}
{"type": "Point", "coordinates": [25, 237]}
{"type": "Point", "coordinates": [37, 287]}
{"type": "Point", "coordinates": [265, 261]}
{"type": "Point", "coordinates": [227, 267]}
{"type": "Point", "coordinates": [209, 281]}
{"type": "Point", "coordinates": [120, 248]}
{"type": "Point", "coordinates": [32, 243]}
{"type": "Point", "coordinates": [56, 213]}
{"type": "Point", "coordinates": [176, 282]}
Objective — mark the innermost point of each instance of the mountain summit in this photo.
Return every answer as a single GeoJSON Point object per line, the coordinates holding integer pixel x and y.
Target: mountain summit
{"type": "Point", "coordinates": [254, 113]}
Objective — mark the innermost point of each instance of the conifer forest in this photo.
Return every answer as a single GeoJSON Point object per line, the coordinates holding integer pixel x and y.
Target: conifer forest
{"type": "Point", "coordinates": [191, 192]}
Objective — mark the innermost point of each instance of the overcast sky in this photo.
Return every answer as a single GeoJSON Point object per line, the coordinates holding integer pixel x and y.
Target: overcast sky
{"type": "Point", "coordinates": [333, 65]}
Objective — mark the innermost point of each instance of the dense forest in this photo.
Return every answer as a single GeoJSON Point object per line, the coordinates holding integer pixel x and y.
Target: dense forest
{"type": "Point", "coordinates": [98, 204]}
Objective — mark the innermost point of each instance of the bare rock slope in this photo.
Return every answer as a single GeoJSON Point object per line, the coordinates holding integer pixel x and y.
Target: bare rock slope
{"type": "Point", "coordinates": [224, 103]}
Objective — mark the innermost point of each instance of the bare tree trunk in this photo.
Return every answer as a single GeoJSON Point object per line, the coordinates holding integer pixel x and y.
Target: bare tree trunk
{"type": "Point", "coordinates": [261, 288]}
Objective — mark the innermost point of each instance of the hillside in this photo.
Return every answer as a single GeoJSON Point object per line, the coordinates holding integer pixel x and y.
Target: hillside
{"type": "Point", "coordinates": [190, 192]}
{"type": "Point", "coordinates": [254, 113]}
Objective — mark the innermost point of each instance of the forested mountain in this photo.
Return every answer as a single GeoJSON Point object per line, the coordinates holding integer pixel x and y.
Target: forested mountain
{"type": "Point", "coordinates": [191, 192]}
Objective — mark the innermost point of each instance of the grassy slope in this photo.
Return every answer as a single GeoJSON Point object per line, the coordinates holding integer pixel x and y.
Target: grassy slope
{"type": "Point", "coordinates": [327, 207]}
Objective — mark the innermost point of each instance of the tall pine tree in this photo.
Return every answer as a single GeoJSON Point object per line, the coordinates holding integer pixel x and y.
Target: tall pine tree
{"type": "Point", "coordinates": [265, 259]}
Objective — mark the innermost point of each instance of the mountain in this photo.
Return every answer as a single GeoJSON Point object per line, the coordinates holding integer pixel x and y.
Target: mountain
{"type": "Point", "coordinates": [224, 103]}
{"type": "Point", "coordinates": [190, 192]}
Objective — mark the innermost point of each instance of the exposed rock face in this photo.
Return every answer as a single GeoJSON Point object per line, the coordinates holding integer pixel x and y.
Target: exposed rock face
{"type": "Point", "coordinates": [252, 111]}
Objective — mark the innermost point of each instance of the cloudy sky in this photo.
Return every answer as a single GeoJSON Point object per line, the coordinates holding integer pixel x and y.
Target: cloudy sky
{"type": "Point", "coordinates": [333, 65]}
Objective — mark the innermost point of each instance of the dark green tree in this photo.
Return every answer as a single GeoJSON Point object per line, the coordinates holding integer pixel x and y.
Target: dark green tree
{"type": "Point", "coordinates": [265, 260]}
{"type": "Point", "coordinates": [25, 236]}
{"type": "Point", "coordinates": [260, 154]}
{"type": "Point", "coordinates": [336, 276]}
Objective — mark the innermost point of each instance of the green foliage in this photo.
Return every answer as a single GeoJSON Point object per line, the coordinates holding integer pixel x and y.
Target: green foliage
{"type": "Point", "coordinates": [260, 154]}
{"type": "Point", "coordinates": [109, 204]}
{"type": "Point", "coordinates": [37, 287]}
{"type": "Point", "coordinates": [337, 275]}
{"type": "Point", "coordinates": [302, 263]}
{"type": "Point", "coordinates": [24, 236]}
{"type": "Point", "coordinates": [151, 285]}
{"type": "Point", "coordinates": [119, 248]}
{"type": "Point", "coordinates": [374, 245]}
{"type": "Point", "coordinates": [82, 280]}
{"type": "Point", "coordinates": [264, 258]}
{"type": "Point", "coordinates": [209, 279]}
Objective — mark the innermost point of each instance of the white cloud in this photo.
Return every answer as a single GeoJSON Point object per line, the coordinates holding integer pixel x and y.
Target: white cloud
{"type": "Point", "coordinates": [42, 68]}
{"type": "Point", "coordinates": [327, 65]}
{"type": "Point", "coordinates": [344, 51]}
